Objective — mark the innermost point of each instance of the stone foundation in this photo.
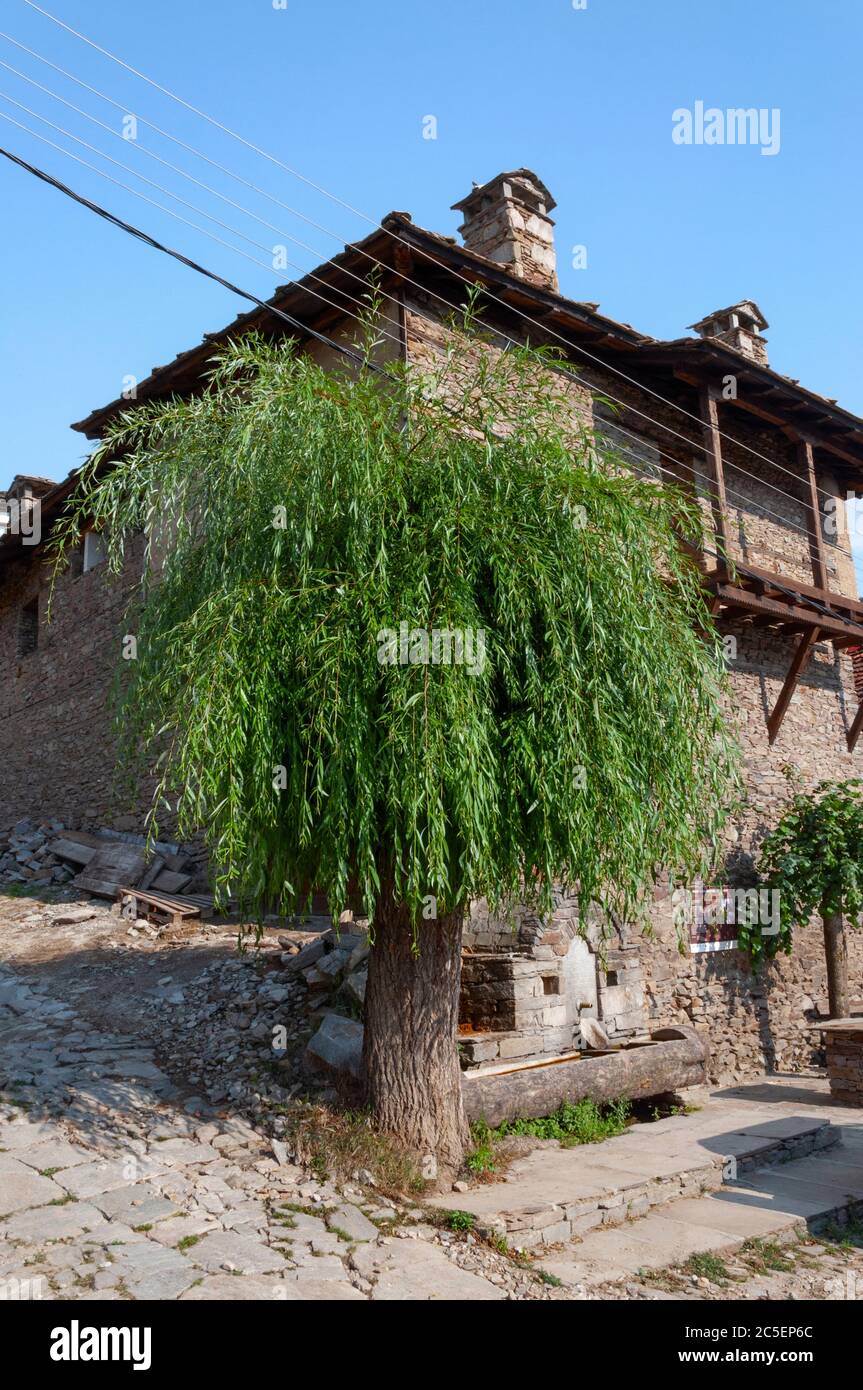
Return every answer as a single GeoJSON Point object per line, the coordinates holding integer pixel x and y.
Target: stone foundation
{"type": "Point", "coordinates": [844, 1042]}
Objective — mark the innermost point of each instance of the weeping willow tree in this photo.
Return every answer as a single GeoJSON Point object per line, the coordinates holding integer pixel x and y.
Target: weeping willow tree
{"type": "Point", "coordinates": [410, 638]}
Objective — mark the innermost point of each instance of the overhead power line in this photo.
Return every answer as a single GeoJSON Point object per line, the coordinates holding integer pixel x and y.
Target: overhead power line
{"type": "Point", "coordinates": [151, 241]}
{"type": "Point", "coordinates": [352, 299]}
{"type": "Point", "coordinates": [183, 259]}
{"type": "Point", "coordinates": [341, 308]}
{"type": "Point", "coordinates": [699, 446]}
{"type": "Point", "coordinates": [529, 318]}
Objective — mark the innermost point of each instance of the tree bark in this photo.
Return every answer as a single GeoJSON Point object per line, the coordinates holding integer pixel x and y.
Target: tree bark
{"type": "Point", "coordinates": [410, 1059]}
{"type": "Point", "coordinates": [836, 951]}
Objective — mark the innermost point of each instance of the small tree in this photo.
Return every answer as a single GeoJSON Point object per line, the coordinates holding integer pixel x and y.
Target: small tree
{"type": "Point", "coordinates": [314, 535]}
{"type": "Point", "coordinates": [814, 860]}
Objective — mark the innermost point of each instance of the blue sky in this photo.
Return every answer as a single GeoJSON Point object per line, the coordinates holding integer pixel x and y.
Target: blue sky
{"type": "Point", "coordinates": [339, 90]}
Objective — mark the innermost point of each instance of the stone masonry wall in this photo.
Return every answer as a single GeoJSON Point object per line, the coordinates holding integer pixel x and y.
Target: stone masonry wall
{"type": "Point", "coordinates": [55, 726]}
{"type": "Point", "coordinates": [769, 1022]}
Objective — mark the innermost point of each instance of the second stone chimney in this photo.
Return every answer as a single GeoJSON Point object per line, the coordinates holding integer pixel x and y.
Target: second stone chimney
{"type": "Point", "coordinates": [507, 220]}
{"type": "Point", "coordinates": [738, 327]}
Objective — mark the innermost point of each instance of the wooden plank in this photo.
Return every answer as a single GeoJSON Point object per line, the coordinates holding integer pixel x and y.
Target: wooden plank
{"type": "Point", "coordinates": [168, 882]}
{"type": "Point", "coordinates": [164, 901]}
{"type": "Point", "coordinates": [152, 873]}
{"type": "Point", "coordinates": [71, 850]}
{"type": "Point", "coordinates": [830, 597]}
{"type": "Point", "coordinates": [854, 731]}
{"type": "Point", "coordinates": [112, 864]}
{"type": "Point", "coordinates": [713, 450]}
{"type": "Point", "coordinates": [816, 540]}
{"type": "Point", "coordinates": [805, 644]}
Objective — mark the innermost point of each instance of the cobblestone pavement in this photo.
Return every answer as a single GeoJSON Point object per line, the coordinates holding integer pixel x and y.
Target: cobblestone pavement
{"type": "Point", "coordinates": [116, 1183]}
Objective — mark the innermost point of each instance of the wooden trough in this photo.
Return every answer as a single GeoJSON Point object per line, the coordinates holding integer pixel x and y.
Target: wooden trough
{"type": "Point", "coordinates": [670, 1059]}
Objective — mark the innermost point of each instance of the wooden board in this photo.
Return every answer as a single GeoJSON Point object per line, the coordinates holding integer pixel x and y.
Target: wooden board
{"type": "Point", "coordinates": [72, 851]}
{"type": "Point", "coordinates": [156, 867]}
{"type": "Point", "coordinates": [169, 882]}
{"type": "Point", "coordinates": [112, 864]}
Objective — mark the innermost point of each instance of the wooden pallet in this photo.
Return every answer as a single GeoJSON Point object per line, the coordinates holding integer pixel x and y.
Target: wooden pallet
{"type": "Point", "coordinates": [162, 909]}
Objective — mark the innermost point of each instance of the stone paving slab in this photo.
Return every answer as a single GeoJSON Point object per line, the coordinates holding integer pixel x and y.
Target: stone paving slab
{"type": "Point", "coordinates": [553, 1195]}
{"type": "Point", "coordinates": [351, 1220]}
{"type": "Point", "coordinates": [54, 1153]}
{"type": "Point", "coordinates": [25, 1135]}
{"type": "Point", "coordinates": [724, 1211]}
{"type": "Point", "coordinates": [92, 1179]}
{"type": "Point", "coordinates": [175, 1229]}
{"type": "Point", "coordinates": [788, 1196]}
{"type": "Point", "coordinates": [151, 1271]}
{"type": "Point", "coordinates": [652, 1243]}
{"type": "Point", "coordinates": [172, 1151]}
{"type": "Point", "coordinates": [835, 1169]}
{"type": "Point", "coordinates": [413, 1270]}
{"type": "Point", "coordinates": [135, 1205]}
{"type": "Point", "coordinates": [19, 1190]}
{"type": "Point", "coordinates": [236, 1288]}
{"type": "Point", "coordinates": [238, 1252]}
{"type": "Point", "coordinates": [51, 1223]}
{"type": "Point", "coordinates": [769, 1202]}
{"type": "Point", "coordinates": [331, 1290]}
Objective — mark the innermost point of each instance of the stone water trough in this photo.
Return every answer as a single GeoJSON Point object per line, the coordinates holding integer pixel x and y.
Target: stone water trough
{"type": "Point", "coordinates": [670, 1059]}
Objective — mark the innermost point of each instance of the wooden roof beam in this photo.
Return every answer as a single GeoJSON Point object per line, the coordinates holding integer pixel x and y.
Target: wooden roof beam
{"type": "Point", "coordinates": [744, 403]}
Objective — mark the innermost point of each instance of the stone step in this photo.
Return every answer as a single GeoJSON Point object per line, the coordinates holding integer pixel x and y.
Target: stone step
{"type": "Point", "coordinates": [556, 1194]}
{"type": "Point", "coordinates": [770, 1203]}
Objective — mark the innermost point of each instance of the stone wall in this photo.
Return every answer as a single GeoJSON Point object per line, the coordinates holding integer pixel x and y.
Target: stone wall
{"type": "Point", "coordinates": [769, 1022]}
{"type": "Point", "coordinates": [55, 724]}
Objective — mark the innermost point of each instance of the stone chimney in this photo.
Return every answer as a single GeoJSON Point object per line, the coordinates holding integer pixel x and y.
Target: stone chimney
{"type": "Point", "coordinates": [738, 327]}
{"type": "Point", "coordinates": [507, 220]}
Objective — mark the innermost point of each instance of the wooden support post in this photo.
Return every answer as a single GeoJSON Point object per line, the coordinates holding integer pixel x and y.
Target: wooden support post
{"type": "Point", "coordinates": [816, 540]}
{"type": "Point", "coordinates": [854, 731]}
{"type": "Point", "coordinates": [713, 449]}
{"type": "Point", "coordinates": [798, 665]}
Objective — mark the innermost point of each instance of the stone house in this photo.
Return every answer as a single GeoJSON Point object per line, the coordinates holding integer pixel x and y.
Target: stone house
{"type": "Point", "coordinates": [770, 462]}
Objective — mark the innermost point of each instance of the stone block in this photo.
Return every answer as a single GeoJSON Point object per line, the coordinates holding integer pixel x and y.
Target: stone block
{"type": "Point", "coordinates": [337, 1047]}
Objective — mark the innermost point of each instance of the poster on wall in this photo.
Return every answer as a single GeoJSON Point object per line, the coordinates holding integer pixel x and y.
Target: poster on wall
{"type": "Point", "coordinates": [709, 918]}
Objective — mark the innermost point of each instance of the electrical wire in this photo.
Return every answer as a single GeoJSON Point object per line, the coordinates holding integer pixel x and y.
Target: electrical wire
{"type": "Point", "coordinates": [371, 221]}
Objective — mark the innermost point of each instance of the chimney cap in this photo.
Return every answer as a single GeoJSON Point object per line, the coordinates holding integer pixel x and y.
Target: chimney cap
{"type": "Point", "coordinates": [745, 308]}
{"type": "Point", "coordinates": [525, 181]}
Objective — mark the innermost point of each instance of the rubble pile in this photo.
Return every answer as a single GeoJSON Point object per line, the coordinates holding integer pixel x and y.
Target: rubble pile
{"type": "Point", "coordinates": [26, 855]}
{"type": "Point", "coordinates": [252, 1030]}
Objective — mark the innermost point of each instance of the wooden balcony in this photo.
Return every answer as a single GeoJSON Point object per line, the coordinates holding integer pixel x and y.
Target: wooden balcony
{"type": "Point", "coordinates": [811, 611]}
{"type": "Point", "coordinates": [777, 600]}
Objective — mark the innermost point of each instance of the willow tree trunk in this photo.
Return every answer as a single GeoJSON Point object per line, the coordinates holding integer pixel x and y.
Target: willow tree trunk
{"type": "Point", "coordinates": [411, 1017]}
{"type": "Point", "coordinates": [836, 951]}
